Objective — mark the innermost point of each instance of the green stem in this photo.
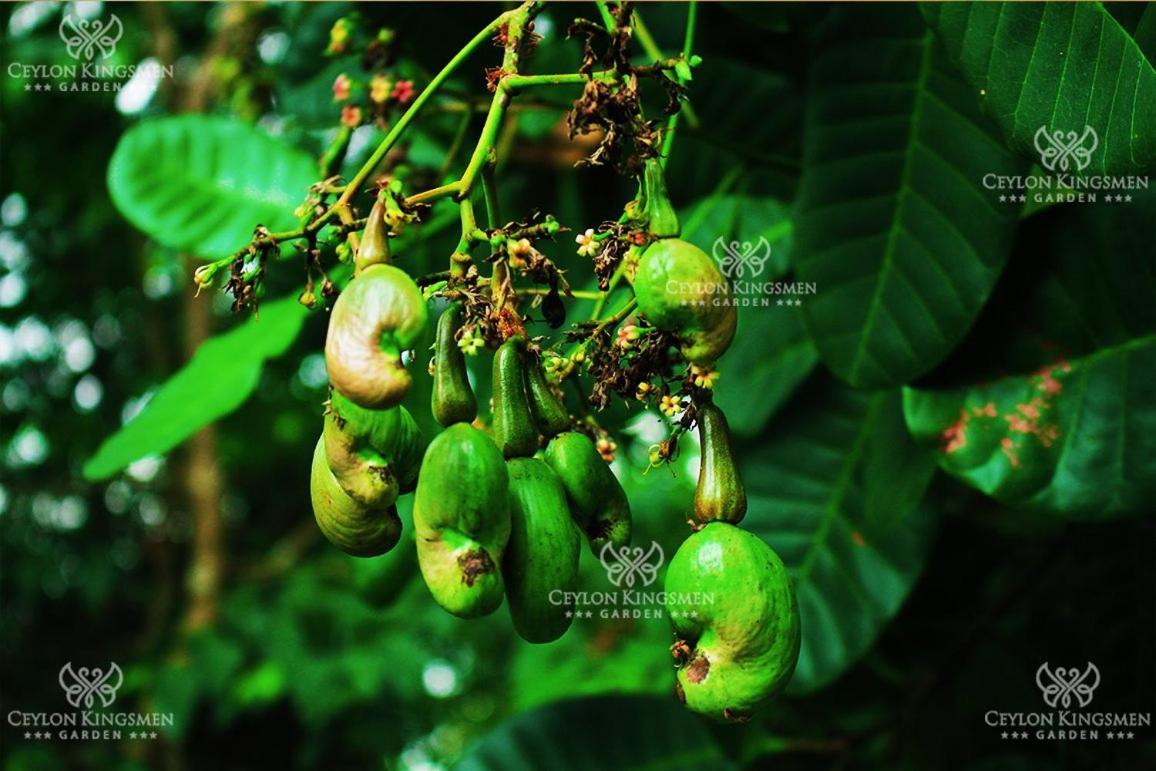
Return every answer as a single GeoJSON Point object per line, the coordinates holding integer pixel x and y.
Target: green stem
{"type": "Point", "coordinates": [687, 48]}
{"type": "Point", "coordinates": [408, 116]}
{"type": "Point", "coordinates": [650, 46]}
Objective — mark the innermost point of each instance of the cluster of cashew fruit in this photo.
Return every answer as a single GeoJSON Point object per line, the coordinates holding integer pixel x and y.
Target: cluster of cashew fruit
{"type": "Point", "coordinates": [500, 510]}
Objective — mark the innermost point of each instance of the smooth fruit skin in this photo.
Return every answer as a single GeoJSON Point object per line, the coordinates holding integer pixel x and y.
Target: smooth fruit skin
{"type": "Point", "coordinates": [720, 494]}
{"type": "Point", "coordinates": [351, 527]}
{"type": "Point", "coordinates": [541, 558]}
{"type": "Point", "coordinates": [373, 249]}
{"type": "Point", "coordinates": [452, 400]}
{"type": "Point", "coordinates": [461, 517]}
{"type": "Point", "coordinates": [378, 315]}
{"type": "Point", "coordinates": [671, 278]}
{"type": "Point", "coordinates": [597, 501]}
{"type": "Point", "coordinates": [740, 649]}
{"type": "Point", "coordinates": [550, 414]}
{"type": "Point", "coordinates": [514, 429]}
{"type": "Point", "coordinates": [374, 454]}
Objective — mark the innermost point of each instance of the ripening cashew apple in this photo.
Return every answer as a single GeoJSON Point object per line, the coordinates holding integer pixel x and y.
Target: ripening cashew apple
{"type": "Point", "coordinates": [374, 454]}
{"type": "Point", "coordinates": [680, 289]}
{"type": "Point", "coordinates": [720, 494]}
{"type": "Point", "coordinates": [735, 652]}
{"type": "Point", "coordinates": [541, 559]}
{"type": "Point", "coordinates": [376, 317]}
{"type": "Point", "coordinates": [461, 517]}
{"type": "Point", "coordinates": [597, 501]}
{"type": "Point", "coordinates": [355, 529]}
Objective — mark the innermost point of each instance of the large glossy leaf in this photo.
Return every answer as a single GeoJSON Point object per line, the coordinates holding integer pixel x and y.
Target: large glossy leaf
{"type": "Point", "coordinates": [1062, 66]}
{"type": "Point", "coordinates": [1075, 438]}
{"type": "Point", "coordinates": [220, 376]}
{"type": "Point", "coordinates": [813, 481]}
{"type": "Point", "coordinates": [201, 184]}
{"type": "Point", "coordinates": [893, 223]}
{"type": "Point", "coordinates": [603, 734]}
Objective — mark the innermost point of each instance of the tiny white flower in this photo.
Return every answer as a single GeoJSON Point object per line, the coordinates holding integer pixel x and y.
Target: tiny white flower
{"type": "Point", "coordinates": [587, 246]}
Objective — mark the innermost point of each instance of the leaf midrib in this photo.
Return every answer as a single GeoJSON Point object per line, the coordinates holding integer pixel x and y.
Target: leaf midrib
{"type": "Point", "coordinates": [841, 486]}
{"type": "Point", "coordinates": [894, 227]}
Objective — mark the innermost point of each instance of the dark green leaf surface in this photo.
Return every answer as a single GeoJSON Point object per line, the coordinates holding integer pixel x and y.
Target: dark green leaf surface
{"type": "Point", "coordinates": [893, 223]}
{"type": "Point", "coordinates": [1062, 66]}
{"type": "Point", "coordinates": [201, 184]}
{"type": "Point", "coordinates": [604, 734]}
{"type": "Point", "coordinates": [220, 377]}
{"type": "Point", "coordinates": [810, 484]}
{"type": "Point", "coordinates": [1074, 438]}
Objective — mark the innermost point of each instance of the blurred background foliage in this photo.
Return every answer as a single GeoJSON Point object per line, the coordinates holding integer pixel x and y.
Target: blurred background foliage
{"type": "Point", "coordinates": [200, 570]}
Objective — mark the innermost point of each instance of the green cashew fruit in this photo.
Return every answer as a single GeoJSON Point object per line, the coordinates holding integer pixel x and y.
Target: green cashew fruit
{"type": "Point", "coordinates": [597, 501]}
{"type": "Point", "coordinates": [378, 315]}
{"type": "Point", "coordinates": [541, 559]}
{"type": "Point", "coordinates": [351, 527]}
{"type": "Point", "coordinates": [373, 248]}
{"type": "Point", "coordinates": [741, 648]}
{"type": "Point", "coordinates": [514, 430]}
{"type": "Point", "coordinates": [680, 289]}
{"type": "Point", "coordinates": [720, 494]}
{"type": "Point", "coordinates": [550, 414]}
{"type": "Point", "coordinates": [374, 454]}
{"type": "Point", "coordinates": [461, 518]}
{"type": "Point", "coordinates": [452, 400]}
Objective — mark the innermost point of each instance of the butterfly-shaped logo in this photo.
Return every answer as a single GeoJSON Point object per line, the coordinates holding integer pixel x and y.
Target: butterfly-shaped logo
{"type": "Point", "coordinates": [625, 565]}
{"type": "Point", "coordinates": [741, 259]}
{"type": "Point", "coordinates": [85, 685]}
{"type": "Point", "coordinates": [1061, 150]}
{"type": "Point", "coordinates": [85, 38]}
{"type": "Point", "coordinates": [1059, 685]}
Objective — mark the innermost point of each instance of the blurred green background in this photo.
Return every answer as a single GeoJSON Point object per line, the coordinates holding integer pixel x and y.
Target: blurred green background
{"type": "Point", "coordinates": [201, 573]}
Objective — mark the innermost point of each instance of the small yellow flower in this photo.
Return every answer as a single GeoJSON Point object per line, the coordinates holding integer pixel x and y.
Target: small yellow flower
{"type": "Point", "coordinates": [338, 37]}
{"type": "Point", "coordinates": [587, 246]}
{"type": "Point", "coordinates": [606, 448]}
{"type": "Point", "coordinates": [704, 377]}
{"type": "Point", "coordinates": [670, 405]}
{"type": "Point", "coordinates": [643, 391]}
{"type": "Point", "coordinates": [471, 342]}
{"type": "Point", "coordinates": [380, 88]}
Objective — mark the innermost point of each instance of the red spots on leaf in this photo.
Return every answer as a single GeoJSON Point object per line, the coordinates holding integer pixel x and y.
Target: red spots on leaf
{"type": "Point", "coordinates": [954, 437]}
{"type": "Point", "coordinates": [986, 411]}
{"type": "Point", "coordinates": [858, 539]}
{"type": "Point", "coordinates": [1007, 447]}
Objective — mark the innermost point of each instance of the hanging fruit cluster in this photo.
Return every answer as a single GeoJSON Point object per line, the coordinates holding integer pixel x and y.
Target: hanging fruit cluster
{"type": "Point", "coordinates": [504, 497]}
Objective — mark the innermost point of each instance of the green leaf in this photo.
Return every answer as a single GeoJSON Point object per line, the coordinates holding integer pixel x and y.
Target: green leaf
{"type": "Point", "coordinates": [200, 184]}
{"type": "Point", "coordinates": [810, 483]}
{"type": "Point", "coordinates": [599, 734]}
{"type": "Point", "coordinates": [1076, 439]}
{"type": "Point", "coordinates": [893, 224]}
{"type": "Point", "coordinates": [1062, 66]}
{"type": "Point", "coordinates": [218, 379]}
